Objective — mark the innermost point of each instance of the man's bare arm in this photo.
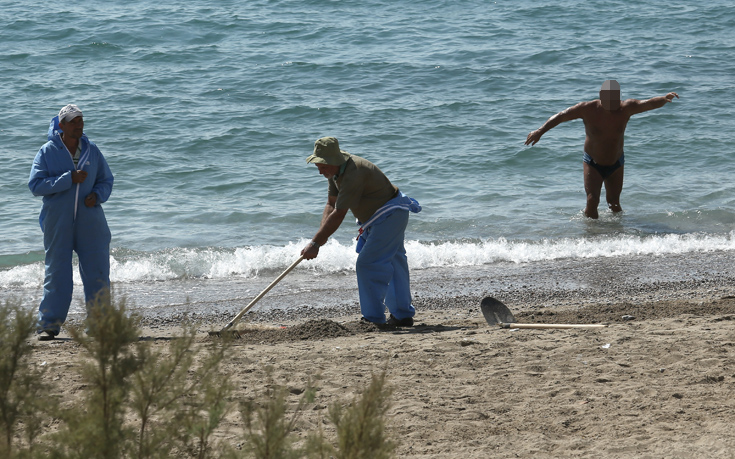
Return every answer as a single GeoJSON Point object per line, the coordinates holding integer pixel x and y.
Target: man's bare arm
{"type": "Point", "coordinates": [571, 113]}
{"type": "Point", "coordinates": [328, 208]}
{"type": "Point", "coordinates": [331, 220]}
{"type": "Point", "coordinates": [634, 106]}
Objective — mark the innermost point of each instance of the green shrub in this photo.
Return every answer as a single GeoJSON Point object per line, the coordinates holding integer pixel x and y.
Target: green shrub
{"type": "Point", "coordinates": [98, 429]}
{"type": "Point", "coordinates": [361, 425]}
{"type": "Point", "coordinates": [175, 405]}
{"type": "Point", "coordinates": [268, 431]}
{"type": "Point", "coordinates": [180, 404]}
{"type": "Point", "coordinates": [193, 404]}
{"type": "Point", "coordinates": [146, 402]}
{"type": "Point", "coordinates": [24, 399]}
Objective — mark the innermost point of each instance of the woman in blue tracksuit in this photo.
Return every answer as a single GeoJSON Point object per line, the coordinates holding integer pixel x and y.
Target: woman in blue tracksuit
{"type": "Point", "coordinates": [73, 177]}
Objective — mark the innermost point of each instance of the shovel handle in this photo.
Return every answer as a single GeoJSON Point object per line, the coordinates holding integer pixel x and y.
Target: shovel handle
{"type": "Point", "coordinates": [551, 326]}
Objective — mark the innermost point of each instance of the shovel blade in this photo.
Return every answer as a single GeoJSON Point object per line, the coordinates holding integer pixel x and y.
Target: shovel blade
{"type": "Point", "coordinates": [496, 312]}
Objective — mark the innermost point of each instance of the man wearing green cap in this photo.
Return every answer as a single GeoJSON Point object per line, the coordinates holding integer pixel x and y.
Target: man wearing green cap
{"type": "Point", "coordinates": [381, 210]}
{"type": "Point", "coordinates": [604, 120]}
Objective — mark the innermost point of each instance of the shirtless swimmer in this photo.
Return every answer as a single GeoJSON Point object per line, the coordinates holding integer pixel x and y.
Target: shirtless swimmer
{"type": "Point", "coordinates": [604, 120]}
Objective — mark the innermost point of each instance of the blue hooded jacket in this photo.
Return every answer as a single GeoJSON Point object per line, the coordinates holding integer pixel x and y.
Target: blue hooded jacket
{"type": "Point", "coordinates": [51, 178]}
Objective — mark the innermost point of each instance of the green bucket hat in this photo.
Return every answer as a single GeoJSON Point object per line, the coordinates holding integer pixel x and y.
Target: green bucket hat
{"type": "Point", "coordinates": [326, 151]}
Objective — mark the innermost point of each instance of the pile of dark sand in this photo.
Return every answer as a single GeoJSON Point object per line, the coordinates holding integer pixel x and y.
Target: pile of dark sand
{"type": "Point", "coordinates": [314, 329]}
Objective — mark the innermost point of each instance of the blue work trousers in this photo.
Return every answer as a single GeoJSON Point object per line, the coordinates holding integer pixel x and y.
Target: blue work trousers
{"type": "Point", "coordinates": [382, 270]}
{"type": "Point", "coordinates": [92, 246]}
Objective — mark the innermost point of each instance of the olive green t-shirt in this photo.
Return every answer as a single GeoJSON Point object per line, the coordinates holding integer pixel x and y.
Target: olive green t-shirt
{"type": "Point", "coordinates": [362, 188]}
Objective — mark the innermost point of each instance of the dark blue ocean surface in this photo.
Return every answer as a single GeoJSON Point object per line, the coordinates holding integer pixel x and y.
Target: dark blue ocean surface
{"type": "Point", "coordinates": [207, 110]}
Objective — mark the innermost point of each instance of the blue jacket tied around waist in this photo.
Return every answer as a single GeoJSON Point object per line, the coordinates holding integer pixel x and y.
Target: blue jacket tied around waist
{"type": "Point", "coordinates": [400, 202]}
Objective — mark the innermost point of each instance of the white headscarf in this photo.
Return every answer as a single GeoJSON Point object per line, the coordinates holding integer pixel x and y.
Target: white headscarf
{"type": "Point", "coordinates": [69, 112]}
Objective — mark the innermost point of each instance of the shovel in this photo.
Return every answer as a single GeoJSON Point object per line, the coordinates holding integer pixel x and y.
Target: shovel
{"type": "Point", "coordinates": [256, 299]}
{"type": "Point", "coordinates": [496, 313]}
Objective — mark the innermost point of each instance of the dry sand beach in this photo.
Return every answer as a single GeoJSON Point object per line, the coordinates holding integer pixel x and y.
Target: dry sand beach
{"type": "Point", "coordinates": [656, 384]}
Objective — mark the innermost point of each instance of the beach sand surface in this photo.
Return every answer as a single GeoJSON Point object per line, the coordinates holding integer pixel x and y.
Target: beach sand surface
{"type": "Point", "coordinates": [658, 383]}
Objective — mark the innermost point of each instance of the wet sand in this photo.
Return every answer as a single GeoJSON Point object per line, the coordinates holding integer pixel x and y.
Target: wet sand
{"type": "Point", "coordinates": [656, 383]}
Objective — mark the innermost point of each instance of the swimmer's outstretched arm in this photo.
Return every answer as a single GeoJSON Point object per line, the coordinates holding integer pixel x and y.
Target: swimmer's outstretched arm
{"type": "Point", "coordinates": [571, 113]}
{"type": "Point", "coordinates": [634, 106]}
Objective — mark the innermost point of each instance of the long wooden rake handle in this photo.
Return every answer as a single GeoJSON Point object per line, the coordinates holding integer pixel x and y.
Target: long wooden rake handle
{"type": "Point", "coordinates": [262, 294]}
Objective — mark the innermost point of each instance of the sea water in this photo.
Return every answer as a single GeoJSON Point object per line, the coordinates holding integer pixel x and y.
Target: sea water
{"type": "Point", "coordinates": [206, 111]}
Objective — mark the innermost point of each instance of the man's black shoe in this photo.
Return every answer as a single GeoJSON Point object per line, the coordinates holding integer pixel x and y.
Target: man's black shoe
{"type": "Point", "coordinates": [46, 335]}
{"type": "Point", "coordinates": [407, 322]}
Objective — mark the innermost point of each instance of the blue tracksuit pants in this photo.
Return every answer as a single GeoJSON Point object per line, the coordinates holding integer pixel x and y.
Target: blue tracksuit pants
{"type": "Point", "coordinates": [382, 270]}
{"type": "Point", "coordinates": [92, 245]}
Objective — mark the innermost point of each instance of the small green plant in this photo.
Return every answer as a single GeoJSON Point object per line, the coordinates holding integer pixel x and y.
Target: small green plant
{"type": "Point", "coordinates": [145, 401]}
{"type": "Point", "coordinates": [269, 432]}
{"type": "Point", "coordinates": [100, 431]}
{"type": "Point", "coordinates": [24, 400]}
{"type": "Point", "coordinates": [141, 402]}
{"type": "Point", "coordinates": [180, 404]}
{"type": "Point", "coordinates": [361, 425]}
{"type": "Point", "coordinates": [197, 425]}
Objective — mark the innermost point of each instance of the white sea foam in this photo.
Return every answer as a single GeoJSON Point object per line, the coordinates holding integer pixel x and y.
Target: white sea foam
{"type": "Point", "coordinates": [247, 262]}
{"type": "Point", "coordinates": [25, 276]}
{"type": "Point", "coordinates": [492, 251]}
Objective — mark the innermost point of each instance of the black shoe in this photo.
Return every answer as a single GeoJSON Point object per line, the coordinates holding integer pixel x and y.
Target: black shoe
{"type": "Point", "coordinates": [407, 322]}
{"type": "Point", "coordinates": [46, 335]}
